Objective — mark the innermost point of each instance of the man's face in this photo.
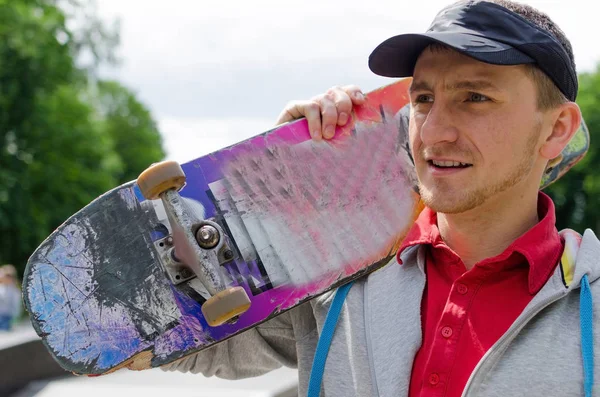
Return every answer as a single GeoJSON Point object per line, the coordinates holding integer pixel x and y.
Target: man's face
{"type": "Point", "coordinates": [474, 130]}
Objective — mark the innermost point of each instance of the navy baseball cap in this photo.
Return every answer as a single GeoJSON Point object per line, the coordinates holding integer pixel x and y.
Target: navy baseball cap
{"type": "Point", "coordinates": [484, 31]}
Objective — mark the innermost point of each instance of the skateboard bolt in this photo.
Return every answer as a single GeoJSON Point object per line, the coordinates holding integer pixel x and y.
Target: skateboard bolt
{"type": "Point", "coordinates": [169, 240]}
{"type": "Point", "coordinates": [228, 254]}
{"type": "Point", "coordinates": [207, 236]}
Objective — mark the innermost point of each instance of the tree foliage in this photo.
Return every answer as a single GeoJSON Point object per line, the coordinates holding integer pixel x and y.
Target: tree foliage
{"type": "Point", "coordinates": [121, 112]}
{"type": "Point", "coordinates": [65, 136]}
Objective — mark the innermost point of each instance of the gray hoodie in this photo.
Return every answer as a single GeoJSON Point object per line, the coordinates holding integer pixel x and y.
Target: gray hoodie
{"type": "Point", "coordinates": [379, 333]}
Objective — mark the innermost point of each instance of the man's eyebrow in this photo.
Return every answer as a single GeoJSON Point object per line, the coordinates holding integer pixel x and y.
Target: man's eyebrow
{"type": "Point", "coordinates": [473, 85]}
{"type": "Point", "coordinates": [418, 86]}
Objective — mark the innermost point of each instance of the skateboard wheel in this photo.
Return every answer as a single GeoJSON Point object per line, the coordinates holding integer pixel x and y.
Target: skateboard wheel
{"type": "Point", "coordinates": [160, 177]}
{"type": "Point", "coordinates": [225, 305]}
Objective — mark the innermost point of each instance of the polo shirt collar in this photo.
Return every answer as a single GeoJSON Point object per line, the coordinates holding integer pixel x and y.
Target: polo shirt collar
{"type": "Point", "coordinates": [541, 246]}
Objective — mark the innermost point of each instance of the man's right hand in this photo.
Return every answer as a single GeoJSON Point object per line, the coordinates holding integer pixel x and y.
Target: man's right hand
{"type": "Point", "coordinates": [326, 111]}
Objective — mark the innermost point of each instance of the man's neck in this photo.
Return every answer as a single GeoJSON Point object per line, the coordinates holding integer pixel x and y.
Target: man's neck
{"type": "Point", "coordinates": [486, 231]}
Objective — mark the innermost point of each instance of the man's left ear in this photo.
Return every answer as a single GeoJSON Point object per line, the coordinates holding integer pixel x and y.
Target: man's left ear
{"type": "Point", "coordinates": [566, 122]}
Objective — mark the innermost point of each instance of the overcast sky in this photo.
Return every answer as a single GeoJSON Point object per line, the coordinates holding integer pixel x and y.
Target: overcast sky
{"type": "Point", "coordinates": [215, 72]}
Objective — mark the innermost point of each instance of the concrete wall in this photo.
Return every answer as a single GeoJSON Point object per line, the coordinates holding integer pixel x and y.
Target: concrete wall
{"type": "Point", "coordinates": [24, 363]}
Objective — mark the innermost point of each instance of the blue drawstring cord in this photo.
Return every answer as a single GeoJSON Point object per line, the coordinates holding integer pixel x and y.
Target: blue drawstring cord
{"type": "Point", "coordinates": [587, 335]}
{"type": "Point", "coordinates": [316, 373]}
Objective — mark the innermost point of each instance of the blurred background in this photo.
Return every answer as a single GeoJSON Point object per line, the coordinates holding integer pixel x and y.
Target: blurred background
{"type": "Point", "coordinates": [92, 92]}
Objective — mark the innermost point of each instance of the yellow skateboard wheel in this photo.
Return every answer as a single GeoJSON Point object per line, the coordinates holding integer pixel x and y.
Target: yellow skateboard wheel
{"type": "Point", "coordinates": [225, 305]}
{"type": "Point", "coordinates": [160, 177]}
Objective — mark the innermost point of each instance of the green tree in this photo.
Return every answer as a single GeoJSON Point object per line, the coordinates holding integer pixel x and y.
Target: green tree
{"type": "Point", "coordinates": [577, 193]}
{"type": "Point", "coordinates": [132, 129]}
{"type": "Point", "coordinates": [69, 163]}
{"type": "Point", "coordinates": [64, 137]}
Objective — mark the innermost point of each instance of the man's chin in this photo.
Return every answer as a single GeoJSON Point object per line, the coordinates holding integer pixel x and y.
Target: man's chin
{"type": "Point", "coordinates": [450, 202]}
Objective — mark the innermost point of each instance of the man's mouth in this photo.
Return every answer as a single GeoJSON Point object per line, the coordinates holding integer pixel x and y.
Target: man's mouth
{"type": "Point", "coordinates": [448, 164]}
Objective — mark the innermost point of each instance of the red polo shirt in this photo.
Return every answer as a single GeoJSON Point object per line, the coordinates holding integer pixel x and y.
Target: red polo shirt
{"type": "Point", "coordinates": [464, 313]}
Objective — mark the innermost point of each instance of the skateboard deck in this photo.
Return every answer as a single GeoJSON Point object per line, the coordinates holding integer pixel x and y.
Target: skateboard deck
{"type": "Point", "coordinates": [298, 218]}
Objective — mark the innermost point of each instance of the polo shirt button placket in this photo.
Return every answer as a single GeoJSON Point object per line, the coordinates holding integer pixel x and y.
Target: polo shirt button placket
{"type": "Point", "coordinates": [462, 289]}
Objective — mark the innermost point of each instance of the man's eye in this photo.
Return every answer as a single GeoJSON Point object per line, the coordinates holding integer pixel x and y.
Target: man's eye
{"type": "Point", "coordinates": [424, 98]}
{"type": "Point", "coordinates": [475, 97]}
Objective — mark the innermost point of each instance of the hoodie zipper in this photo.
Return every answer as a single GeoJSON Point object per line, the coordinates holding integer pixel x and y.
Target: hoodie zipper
{"type": "Point", "coordinates": [508, 337]}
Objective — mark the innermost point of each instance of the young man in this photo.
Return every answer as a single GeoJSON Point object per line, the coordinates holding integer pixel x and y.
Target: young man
{"type": "Point", "coordinates": [478, 302]}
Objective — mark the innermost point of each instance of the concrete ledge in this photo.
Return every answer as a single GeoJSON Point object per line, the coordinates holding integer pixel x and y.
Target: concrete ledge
{"type": "Point", "coordinates": [157, 383]}
{"type": "Point", "coordinates": [28, 370]}
{"type": "Point", "coordinates": [27, 362]}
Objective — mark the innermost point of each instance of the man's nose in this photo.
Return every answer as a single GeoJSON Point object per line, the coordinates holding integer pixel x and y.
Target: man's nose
{"type": "Point", "coordinates": [439, 125]}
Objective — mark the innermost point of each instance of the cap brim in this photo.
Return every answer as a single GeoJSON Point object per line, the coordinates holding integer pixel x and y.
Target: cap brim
{"type": "Point", "coordinates": [397, 56]}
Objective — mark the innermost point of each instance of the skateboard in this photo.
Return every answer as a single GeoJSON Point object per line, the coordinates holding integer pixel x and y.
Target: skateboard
{"type": "Point", "coordinates": [190, 255]}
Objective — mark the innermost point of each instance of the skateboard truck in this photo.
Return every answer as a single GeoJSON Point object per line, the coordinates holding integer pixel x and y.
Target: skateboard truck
{"type": "Point", "coordinates": [195, 248]}
{"type": "Point", "coordinates": [208, 236]}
